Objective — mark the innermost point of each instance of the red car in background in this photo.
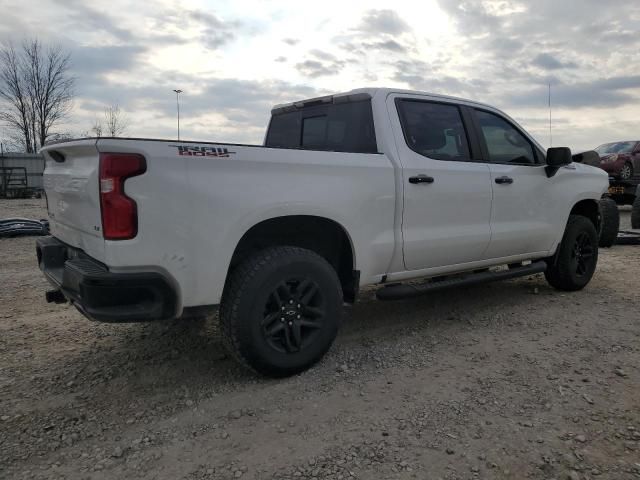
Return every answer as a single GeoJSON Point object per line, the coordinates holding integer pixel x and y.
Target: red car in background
{"type": "Point", "coordinates": [620, 159]}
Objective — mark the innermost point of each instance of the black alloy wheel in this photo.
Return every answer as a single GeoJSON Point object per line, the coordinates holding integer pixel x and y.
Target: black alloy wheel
{"type": "Point", "coordinates": [293, 315]}
{"type": "Point", "coordinates": [583, 254]}
{"type": "Point", "coordinates": [576, 258]}
{"type": "Point", "coordinates": [281, 309]}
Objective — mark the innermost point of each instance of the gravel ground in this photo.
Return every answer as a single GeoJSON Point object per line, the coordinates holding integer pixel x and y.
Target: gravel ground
{"type": "Point", "coordinates": [510, 380]}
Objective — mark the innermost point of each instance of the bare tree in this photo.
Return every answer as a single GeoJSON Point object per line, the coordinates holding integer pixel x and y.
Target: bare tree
{"type": "Point", "coordinates": [96, 129]}
{"type": "Point", "coordinates": [13, 91]}
{"type": "Point", "coordinates": [36, 89]}
{"type": "Point", "coordinates": [116, 122]}
{"type": "Point", "coordinates": [50, 86]}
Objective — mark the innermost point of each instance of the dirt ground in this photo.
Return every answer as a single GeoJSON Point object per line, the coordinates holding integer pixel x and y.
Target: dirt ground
{"type": "Point", "coordinates": [510, 380]}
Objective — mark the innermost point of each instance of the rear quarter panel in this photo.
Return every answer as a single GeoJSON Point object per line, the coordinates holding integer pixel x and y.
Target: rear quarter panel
{"type": "Point", "coordinates": [193, 209]}
{"type": "Point", "coordinates": [229, 195]}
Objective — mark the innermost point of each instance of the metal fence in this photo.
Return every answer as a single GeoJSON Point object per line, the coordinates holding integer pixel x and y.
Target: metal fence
{"type": "Point", "coordinates": [17, 164]}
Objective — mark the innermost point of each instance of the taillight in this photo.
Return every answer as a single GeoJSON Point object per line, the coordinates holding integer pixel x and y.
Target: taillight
{"type": "Point", "coordinates": [119, 212]}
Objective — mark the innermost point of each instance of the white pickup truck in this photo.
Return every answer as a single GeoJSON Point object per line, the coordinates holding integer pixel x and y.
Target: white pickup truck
{"type": "Point", "coordinates": [371, 187]}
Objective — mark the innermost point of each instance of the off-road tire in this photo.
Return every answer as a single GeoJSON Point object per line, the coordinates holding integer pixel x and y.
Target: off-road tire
{"type": "Point", "coordinates": [562, 272]}
{"type": "Point", "coordinates": [609, 222]}
{"type": "Point", "coordinates": [249, 293]}
{"type": "Point", "coordinates": [635, 213]}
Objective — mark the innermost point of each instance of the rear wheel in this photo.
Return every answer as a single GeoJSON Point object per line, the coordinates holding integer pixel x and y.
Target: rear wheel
{"type": "Point", "coordinates": [575, 262]}
{"type": "Point", "coordinates": [610, 222]}
{"type": "Point", "coordinates": [281, 309]}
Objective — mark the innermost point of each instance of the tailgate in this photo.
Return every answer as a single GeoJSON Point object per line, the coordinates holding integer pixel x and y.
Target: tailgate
{"type": "Point", "coordinates": [71, 183]}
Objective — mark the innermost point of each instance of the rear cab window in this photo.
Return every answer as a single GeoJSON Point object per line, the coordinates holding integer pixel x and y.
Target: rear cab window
{"type": "Point", "coordinates": [336, 127]}
{"type": "Point", "coordinates": [434, 130]}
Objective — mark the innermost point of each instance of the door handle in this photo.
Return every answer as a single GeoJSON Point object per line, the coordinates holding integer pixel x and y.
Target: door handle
{"type": "Point", "coordinates": [504, 180]}
{"type": "Point", "coordinates": [421, 179]}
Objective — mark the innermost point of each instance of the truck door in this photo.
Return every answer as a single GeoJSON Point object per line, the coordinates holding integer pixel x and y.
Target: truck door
{"type": "Point", "coordinates": [447, 191]}
{"type": "Point", "coordinates": [527, 206]}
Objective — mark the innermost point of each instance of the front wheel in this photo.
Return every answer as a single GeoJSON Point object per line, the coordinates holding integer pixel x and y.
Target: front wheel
{"type": "Point", "coordinates": [575, 261]}
{"type": "Point", "coordinates": [280, 310]}
{"type": "Point", "coordinates": [609, 222]}
{"type": "Point", "coordinates": [635, 212]}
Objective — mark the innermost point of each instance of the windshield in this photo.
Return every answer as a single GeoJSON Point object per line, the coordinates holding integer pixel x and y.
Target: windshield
{"type": "Point", "coordinates": [618, 147]}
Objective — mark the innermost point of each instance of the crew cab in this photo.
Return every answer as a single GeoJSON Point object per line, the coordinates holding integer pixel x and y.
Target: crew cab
{"type": "Point", "coordinates": [370, 187]}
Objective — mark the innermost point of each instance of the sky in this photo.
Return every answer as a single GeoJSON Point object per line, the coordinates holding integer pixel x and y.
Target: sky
{"type": "Point", "coordinates": [235, 59]}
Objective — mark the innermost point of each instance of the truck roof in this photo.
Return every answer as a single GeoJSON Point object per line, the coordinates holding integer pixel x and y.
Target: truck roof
{"type": "Point", "coordinates": [366, 93]}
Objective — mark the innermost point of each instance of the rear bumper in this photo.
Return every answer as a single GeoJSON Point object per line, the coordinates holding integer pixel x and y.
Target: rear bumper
{"type": "Point", "coordinates": [100, 294]}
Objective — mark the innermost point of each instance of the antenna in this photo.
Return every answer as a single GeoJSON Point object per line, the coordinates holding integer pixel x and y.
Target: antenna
{"type": "Point", "coordinates": [550, 134]}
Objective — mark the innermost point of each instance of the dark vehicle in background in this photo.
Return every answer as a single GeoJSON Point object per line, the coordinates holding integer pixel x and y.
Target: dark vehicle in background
{"type": "Point", "coordinates": [624, 185]}
{"type": "Point", "coordinates": [620, 159]}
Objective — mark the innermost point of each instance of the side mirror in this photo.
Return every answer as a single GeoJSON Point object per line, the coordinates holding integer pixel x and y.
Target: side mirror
{"type": "Point", "coordinates": [556, 158]}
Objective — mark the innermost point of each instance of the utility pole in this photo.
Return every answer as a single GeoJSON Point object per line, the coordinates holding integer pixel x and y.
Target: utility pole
{"type": "Point", "coordinates": [178, 92]}
{"type": "Point", "coordinates": [550, 134]}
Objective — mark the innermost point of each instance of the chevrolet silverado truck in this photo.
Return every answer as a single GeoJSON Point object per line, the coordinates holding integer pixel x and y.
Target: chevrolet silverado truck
{"type": "Point", "coordinates": [408, 191]}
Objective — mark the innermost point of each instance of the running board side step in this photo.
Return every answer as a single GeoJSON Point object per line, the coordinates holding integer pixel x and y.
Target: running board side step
{"type": "Point", "coordinates": [405, 290]}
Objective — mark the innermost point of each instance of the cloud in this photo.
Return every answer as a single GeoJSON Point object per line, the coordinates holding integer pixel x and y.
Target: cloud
{"type": "Point", "coordinates": [87, 18]}
{"type": "Point", "coordinates": [471, 16]}
{"type": "Point", "coordinates": [320, 64]}
{"type": "Point", "coordinates": [423, 76]}
{"type": "Point", "coordinates": [171, 26]}
{"type": "Point", "coordinates": [547, 61]}
{"type": "Point", "coordinates": [504, 47]}
{"type": "Point", "coordinates": [248, 95]}
{"type": "Point", "coordinates": [390, 45]}
{"type": "Point", "coordinates": [167, 25]}
{"type": "Point", "coordinates": [322, 55]}
{"type": "Point", "coordinates": [619, 83]}
{"type": "Point", "coordinates": [316, 68]}
{"type": "Point", "coordinates": [568, 25]}
{"type": "Point", "coordinates": [10, 23]}
{"type": "Point", "coordinates": [600, 93]}
{"type": "Point", "coordinates": [379, 32]}
{"type": "Point", "coordinates": [97, 60]}
{"type": "Point", "coordinates": [521, 47]}
{"type": "Point", "coordinates": [214, 31]}
{"type": "Point", "coordinates": [211, 109]}
{"type": "Point", "coordinates": [383, 21]}
{"type": "Point", "coordinates": [503, 52]}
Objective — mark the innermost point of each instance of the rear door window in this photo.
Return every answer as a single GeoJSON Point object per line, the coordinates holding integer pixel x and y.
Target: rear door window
{"type": "Point", "coordinates": [435, 130]}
